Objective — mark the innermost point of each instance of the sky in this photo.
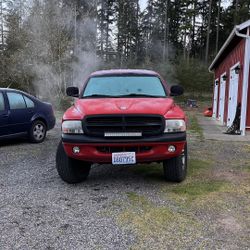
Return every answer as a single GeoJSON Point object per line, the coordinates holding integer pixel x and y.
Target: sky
{"type": "Point", "coordinates": [143, 4]}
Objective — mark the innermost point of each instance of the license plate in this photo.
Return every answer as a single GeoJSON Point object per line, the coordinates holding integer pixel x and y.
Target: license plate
{"type": "Point", "coordinates": [123, 158]}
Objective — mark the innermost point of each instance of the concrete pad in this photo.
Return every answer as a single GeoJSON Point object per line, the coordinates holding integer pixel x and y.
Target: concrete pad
{"type": "Point", "coordinates": [213, 130]}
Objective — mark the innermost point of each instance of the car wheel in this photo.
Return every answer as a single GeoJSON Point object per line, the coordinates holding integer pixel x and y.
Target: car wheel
{"type": "Point", "coordinates": [175, 169]}
{"type": "Point", "coordinates": [71, 170]}
{"type": "Point", "coordinates": [38, 132]}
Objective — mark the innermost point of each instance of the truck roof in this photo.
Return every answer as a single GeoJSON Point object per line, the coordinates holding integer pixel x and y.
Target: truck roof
{"type": "Point", "coordinates": [124, 72]}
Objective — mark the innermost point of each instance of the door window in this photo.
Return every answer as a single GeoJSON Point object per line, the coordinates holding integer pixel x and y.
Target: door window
{"type": "Point", "coordinates": [16, 101]}
{"type": "Point", "coordinates": [29, 102]}
{"type": "Point", "coordinates": [2, 106]}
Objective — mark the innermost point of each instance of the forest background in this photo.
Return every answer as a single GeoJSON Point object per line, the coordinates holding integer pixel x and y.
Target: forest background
{"type": "Point", "coordinates": [48, 45]}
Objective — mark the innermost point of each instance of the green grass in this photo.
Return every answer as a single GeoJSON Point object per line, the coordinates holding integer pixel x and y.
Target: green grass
{"type": "Point", "coordinates": [149, 171]}
{"type": "Point", "coordinates": [197, 167]}
{"type": "Point", "coordinates": [135, 199]}
{"type": "Point", "coordinates": [157, 223]}
{"type": "Point", "coordinates": [247, 168]}
{"type": "Point", "coordinates": [193, 125]}
{"type": "Point", "coordinates": [198, 188]}
{"type": "Point", "coordinates": [206, 97]}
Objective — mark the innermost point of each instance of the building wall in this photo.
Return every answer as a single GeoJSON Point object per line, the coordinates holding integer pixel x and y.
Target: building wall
{"type": "Point", "coordinates": [236, 55]}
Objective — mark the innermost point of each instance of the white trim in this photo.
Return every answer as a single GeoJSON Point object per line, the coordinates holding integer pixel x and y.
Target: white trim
{"type": "Point", "coordinates": [223, 112]}
{"type": "Point", "coordinates": [245, 86]}
{"type": "Point", "coordinates": [235, 65]}
{"type": "Point", "coordinates": [229, 39]}
{"type": "Point", "coordinates": [243, 25]}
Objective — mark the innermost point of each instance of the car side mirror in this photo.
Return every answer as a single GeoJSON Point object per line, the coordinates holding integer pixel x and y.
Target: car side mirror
{"type": "Point", "coordinates": [72, 91]}
{"type": "Point", "coordinates": [176, 90]}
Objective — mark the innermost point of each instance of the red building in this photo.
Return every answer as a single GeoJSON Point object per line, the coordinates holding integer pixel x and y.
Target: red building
{"type": "Point", "coordinates": [232, 78]}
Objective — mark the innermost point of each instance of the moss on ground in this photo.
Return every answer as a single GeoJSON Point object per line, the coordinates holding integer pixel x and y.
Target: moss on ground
{"type": "Point", "coordinates": [153, 172]}
{"type": "Point", "coordinates": [154, 224]}
{"type": "Point", "coordinates": [193, 125]}
{"type": "Point", "coordinates": [212, 201]}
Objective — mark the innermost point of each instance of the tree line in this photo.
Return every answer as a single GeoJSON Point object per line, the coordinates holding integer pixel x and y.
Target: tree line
{"type": "Point", "coordinates": [46, 45]}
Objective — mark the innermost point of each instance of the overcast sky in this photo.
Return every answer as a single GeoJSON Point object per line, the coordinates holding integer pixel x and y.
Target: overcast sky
{"type": "Point", "coordinates": [225, 3]}
{"type": "Point", "coordinates": [143, 4]}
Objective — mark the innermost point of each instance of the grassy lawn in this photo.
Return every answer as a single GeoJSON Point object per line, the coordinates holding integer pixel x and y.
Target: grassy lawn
{"type": "Point", "coordinates": [212, 203]}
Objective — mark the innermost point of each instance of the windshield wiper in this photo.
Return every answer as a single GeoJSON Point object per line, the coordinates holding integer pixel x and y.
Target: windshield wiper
{"type": "Point", "coordinates": [100, 96]}
{"type": "Point", "coordinates": [141, 95]}
{"type": "Point", "coordinates": [122, 96]}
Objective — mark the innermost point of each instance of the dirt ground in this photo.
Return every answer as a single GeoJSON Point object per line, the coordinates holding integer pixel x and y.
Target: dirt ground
{"type": "Point", "coordinates": [126, 207]}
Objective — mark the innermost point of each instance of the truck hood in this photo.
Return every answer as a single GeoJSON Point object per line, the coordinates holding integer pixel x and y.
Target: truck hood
{"type": "Point", "coordinates": [83, 107]}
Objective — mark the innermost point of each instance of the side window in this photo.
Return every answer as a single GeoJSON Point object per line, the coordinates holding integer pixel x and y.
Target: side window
{"type": "Point", "coordinates": [29, 102]}
{"type": "Point", "coordinates": [16, 101]}
{"type": "Point", "coordinates": [2, 106]}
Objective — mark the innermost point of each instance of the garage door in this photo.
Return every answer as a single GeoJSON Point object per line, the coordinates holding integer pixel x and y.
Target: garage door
{"type": "Point", "coordinates": [222, 98]}
{"type": "Point", "coordinates": [233, 96]}
{"type": "Point", "coordinates": [215, 98]}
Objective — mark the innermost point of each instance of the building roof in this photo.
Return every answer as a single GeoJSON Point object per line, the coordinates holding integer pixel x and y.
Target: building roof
{"type": "Point", "coordinates": [231, 40]}
{"type": "Point", "coordinates": [124, 72]}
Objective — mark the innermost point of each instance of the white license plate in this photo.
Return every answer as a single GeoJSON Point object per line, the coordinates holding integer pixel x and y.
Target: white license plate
{"type": "Point", "coordinates": [123, 158]}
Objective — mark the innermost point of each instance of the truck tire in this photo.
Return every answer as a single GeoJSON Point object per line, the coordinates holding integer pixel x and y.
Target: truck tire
{"type": "Point", "coordinates": [71, 170]}
{"type": "Point", "coordinates": [175, 169]}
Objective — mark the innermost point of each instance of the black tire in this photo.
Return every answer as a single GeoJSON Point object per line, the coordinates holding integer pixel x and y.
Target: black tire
{"type": "Point", "coordinates": [71, 170]}
{"type": "Point", "coordinates": [175, 169]}
{"type": "Point", "coordinates": [38, 131]}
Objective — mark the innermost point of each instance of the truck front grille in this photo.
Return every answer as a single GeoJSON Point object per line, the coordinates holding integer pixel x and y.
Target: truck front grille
{"type": "Point", "coordinates": [97, 125]}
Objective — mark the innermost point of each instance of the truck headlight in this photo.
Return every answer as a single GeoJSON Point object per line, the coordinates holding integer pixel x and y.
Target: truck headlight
{"type": "Point", "coordinates": [174, 126]}
{"type": "Point", "coordinates": [72, 127]}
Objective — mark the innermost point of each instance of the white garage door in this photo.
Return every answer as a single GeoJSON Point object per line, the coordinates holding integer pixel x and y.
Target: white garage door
{"type": "Point", "coordinates": [233, 96]}
{"type": "Point", "coordinates": [222, 98]}
{"type": "Point", "coordinates": [215, 98]}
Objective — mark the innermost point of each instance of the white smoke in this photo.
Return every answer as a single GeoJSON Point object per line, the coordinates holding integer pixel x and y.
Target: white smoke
{"type": "Point", "coordinates": [60, 51]}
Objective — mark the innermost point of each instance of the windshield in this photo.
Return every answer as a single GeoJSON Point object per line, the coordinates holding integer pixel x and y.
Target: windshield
{"type": "Point", "coordinates": [124, 86]}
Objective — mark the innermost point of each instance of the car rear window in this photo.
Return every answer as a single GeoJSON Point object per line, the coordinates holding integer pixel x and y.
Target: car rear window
{"type": "Point", "coordinates": [29, 102]}
{"type": "Point", "coordinates": [16, 101]}
{"type": "Point", "coordinates": [124, 85]}
{"type": "Point", "coordinates": [2, 106]}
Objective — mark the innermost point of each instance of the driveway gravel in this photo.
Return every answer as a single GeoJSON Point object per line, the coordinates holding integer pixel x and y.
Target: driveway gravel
{"type": "Point", "coordinates": [122, 207]}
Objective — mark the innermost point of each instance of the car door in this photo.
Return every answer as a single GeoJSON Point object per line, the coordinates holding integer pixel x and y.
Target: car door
{"type": "Point", "coordinates": [4, 116]}
{"type": "Point", "coordinates": [19, 117]}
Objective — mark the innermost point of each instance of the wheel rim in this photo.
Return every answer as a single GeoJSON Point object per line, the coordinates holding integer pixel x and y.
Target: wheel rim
{"type": "Point", "coordinates": [39, 132]}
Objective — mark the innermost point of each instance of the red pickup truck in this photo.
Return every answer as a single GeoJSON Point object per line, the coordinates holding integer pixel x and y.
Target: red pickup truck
{"type": "Point", "coordinates": [123, 117]}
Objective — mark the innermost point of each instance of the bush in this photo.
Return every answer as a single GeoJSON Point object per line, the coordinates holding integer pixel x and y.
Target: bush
{"type": "Point", "coordinates": [194, 76]}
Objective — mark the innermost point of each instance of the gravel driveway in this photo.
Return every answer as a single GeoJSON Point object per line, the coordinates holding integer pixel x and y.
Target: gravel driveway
{"type": "Point", "coordinates": [125, 207]}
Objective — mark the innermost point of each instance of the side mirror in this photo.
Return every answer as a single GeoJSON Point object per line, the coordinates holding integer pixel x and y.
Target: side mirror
{"type": "Point", "coordinates": [72, 91]}
{"type": "Point", "coordinates": [176, 90]}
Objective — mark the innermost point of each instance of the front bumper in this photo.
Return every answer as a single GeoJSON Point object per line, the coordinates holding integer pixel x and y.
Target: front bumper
{"type": "Point", "coordinates": [148, 149]}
